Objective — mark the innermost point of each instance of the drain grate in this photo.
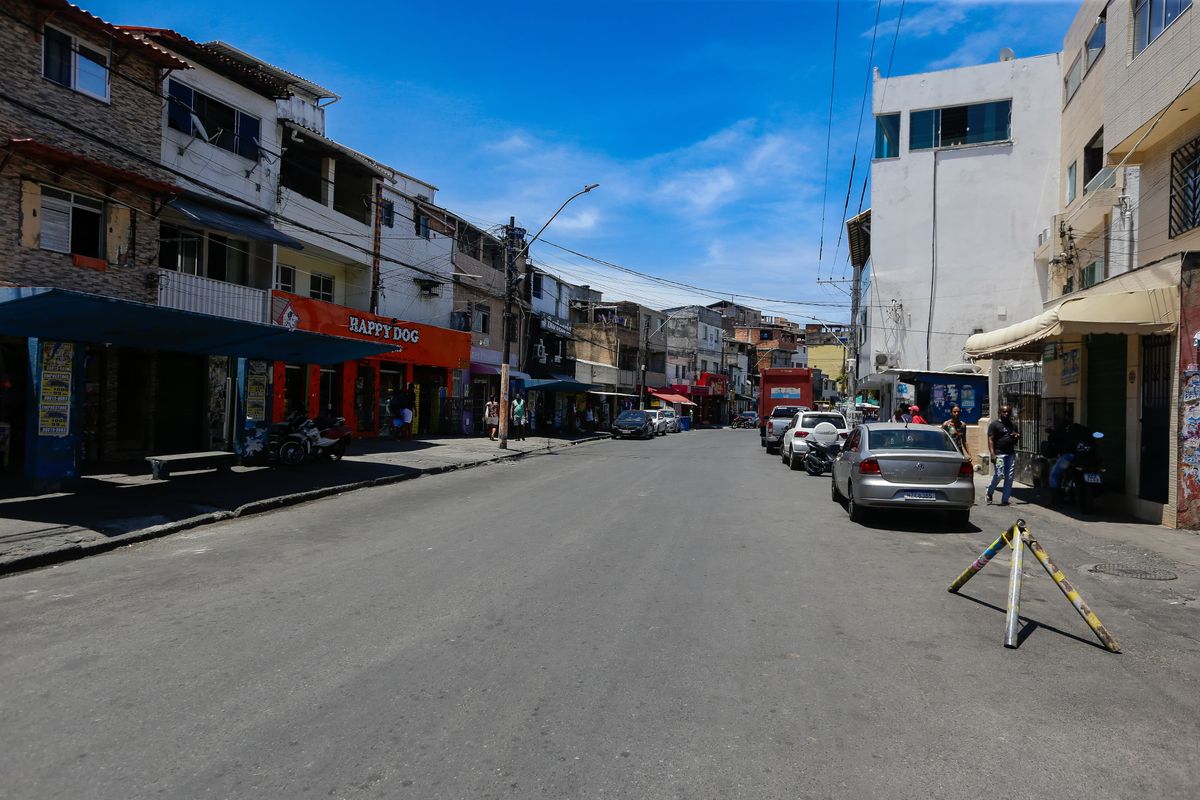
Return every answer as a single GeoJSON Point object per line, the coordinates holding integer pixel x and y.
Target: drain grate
{"type": "Point", "coordinates": [1140, 573]}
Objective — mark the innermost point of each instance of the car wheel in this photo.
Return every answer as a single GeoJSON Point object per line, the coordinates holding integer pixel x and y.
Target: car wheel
{"type": "Point", "coordinates": [792, 463]}
{"type": "Point", "coordinates": [856, 512]}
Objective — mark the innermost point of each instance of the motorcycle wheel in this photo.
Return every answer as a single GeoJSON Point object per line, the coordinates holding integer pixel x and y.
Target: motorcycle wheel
{"type": "Point", "coordinates": [813, 467]}
{"type": "Point", "coordinates": [336, 452]}
{"type": "Point", "coordinates": [291, 453]}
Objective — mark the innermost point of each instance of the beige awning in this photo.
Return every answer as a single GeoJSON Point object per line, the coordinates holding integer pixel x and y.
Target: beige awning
{"type": "Point", "coordinates": [1144, 311]}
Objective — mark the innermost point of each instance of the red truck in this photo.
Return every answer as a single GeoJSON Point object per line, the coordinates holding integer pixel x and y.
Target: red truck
{"type": "Point", "coordinates": [782, 392]}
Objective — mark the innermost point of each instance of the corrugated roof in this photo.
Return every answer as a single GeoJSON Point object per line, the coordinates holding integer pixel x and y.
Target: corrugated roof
{"type": "Point", "coordinates": [119, 36]}
{"type": "Point", "coordinates": [279, 73]}
{"type": "Point", "coordinates": [254, 79]}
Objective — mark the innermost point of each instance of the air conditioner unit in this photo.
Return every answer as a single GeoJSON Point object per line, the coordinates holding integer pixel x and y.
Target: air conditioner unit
{"type": "Point", "coordinates": [881, 359]}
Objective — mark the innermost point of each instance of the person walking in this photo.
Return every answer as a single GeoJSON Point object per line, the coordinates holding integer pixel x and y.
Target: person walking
{"type": "Point", "coordinates": [518, 417]}
{"type": "Point", "coordinates": [395, 405]}
{"type": "Point", "coordinates": [915, 417]}
{"type": "Point", "coordinates": [408, 401]}
{"type": "Point", "coordinates": [1002, 447]}
{"type": "Point", "coordinates": [491, 417]}
{"type": "Point", "coordinates": [957, 429]}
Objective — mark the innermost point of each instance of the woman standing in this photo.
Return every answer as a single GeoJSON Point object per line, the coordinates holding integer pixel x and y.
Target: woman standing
{"type": "Point", "coordinates": [491, 417]}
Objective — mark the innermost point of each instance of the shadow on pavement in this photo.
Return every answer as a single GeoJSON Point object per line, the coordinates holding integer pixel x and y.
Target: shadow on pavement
{"type": "Point", "coordinates": [1030, 625]}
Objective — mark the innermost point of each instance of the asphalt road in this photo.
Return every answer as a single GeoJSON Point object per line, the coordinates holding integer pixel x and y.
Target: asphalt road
{"type": "Point", "coordinates": [678, 618]}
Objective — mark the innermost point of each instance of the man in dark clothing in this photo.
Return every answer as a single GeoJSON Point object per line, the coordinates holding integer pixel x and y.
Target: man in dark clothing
{"type": "Point", "coordinates": [1002, 447]}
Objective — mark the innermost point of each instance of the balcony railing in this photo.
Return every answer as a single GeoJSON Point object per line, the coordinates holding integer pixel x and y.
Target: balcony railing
{"type": "Point", "coordinates": [1104, 179]}
{"type": "Point", "coordinates": [208, 296]}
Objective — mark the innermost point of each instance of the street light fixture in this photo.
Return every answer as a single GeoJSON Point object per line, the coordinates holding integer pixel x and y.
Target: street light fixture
{"type": "Point", "coordinates": [510, 284]}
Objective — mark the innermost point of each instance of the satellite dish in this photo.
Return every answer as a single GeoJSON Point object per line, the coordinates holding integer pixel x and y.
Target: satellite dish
{"type": "Point", "coordinates": [1007, 54]}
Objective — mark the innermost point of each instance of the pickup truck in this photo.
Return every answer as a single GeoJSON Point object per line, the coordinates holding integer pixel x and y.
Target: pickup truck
{"type": "Point", "coordinates": [777, 424]}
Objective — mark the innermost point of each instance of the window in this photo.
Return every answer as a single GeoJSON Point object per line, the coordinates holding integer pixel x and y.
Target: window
{"type": "Point", "coordinates": [74, 64]}
{"type": "Point", "coordinates": [1185, 188]}
{"type": "Point", "coordinates": [704, 365]}
{"type": "Point", "coordinates": [1093, 158]}
{"type": "Point", "coordinates": [1151, 18]}
{"type": "Point", "coordinates": [960, 125]}
{"type": "Point", "coordinates": [1095, 40]}
{"type": "Point", "coordinates": [320, 286]}
{"type": "Point", "coordinates": [227, 259]}
{"type": "Point", "coordinates": [285, 278]}
{"type": "Point", "coordinates": [71, 223]}
{"type": "Point", "coordinates": [887, 136]}
{"type": "Point", "coordinates": [1073, 79]}
{"type": "Point", "coordinates": [179, 249]}
{"type": "Point", "coordinates": [535, 288]}
{"type": "Point", "coordinates": [1071, 182]}
{"type": "Point", "coordinates": [421, 226]}
{"type": "Point", "coordinates": [198, 114]}
{"type": "Point", "coordinates": [483, 319]}
{"type": "Point", "coordinates": [764, 336]}
{"type": "Point", "coordinates": [388, 212]}
{"type": "Point", "coordinates": [1093, 273]}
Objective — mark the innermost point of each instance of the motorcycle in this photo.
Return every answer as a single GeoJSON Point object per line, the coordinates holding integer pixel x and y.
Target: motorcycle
{"type": "Point", "coordinates": [820, 457]}
{"type": "Point", "coordinates": [1083, 480]}
{"type": "Point", "coordinates": [745, 422]}
{"type": "Point", "coordinates": [326, 438]}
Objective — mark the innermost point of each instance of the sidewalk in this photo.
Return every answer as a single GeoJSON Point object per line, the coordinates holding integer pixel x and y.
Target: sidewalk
{"type": "Point", "coordinates": [116, 509]}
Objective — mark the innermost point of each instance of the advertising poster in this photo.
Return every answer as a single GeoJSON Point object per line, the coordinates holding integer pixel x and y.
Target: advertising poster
{"type": "Point", "coordinates": [256, 390]}
{"type": "Point", "coordinates": [54, 392]}
{"type": "Point", "coordinates": [1070, 366]}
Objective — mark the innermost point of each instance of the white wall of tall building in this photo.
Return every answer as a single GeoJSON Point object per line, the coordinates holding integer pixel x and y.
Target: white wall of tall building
{"type": "Point", "coordinates": [400, 295]}
{"type": "Point", "coordinates": [982, 203]}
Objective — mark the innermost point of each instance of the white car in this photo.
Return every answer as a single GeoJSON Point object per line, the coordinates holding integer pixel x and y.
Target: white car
{"type": "Point", "coordinates": [672, 420]}
{"type": "Point", "coordinates": [792, 448]}
{"type": "Point", "coordinates": [661, 423]}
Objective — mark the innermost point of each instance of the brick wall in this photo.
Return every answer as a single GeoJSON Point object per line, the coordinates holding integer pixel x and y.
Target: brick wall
{"type": "Point", "coordinates": [132, 118]}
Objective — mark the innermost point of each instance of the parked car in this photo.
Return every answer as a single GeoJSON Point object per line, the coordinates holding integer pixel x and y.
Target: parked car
{"type": "Point", "coordinates": [898, 465]}
{"type": "Point", "coordinates": [672, 420]}
{"type": "Point", "coordinates": [794, 445]}
{"type": "Point", "coordinates": [780, 420]}
{"type": "Point", "coordinates": [633, 423]}
{"type": "Point", "coordinates": [661, 423]}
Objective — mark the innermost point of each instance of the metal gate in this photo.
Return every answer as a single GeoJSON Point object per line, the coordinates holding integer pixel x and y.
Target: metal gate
{"type": "Point", "coordinates": [1021, 387]}
{"type": "Point", "coordinates": [1156, 418]}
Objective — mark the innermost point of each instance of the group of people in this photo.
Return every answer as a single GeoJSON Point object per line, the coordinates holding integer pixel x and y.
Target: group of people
{"type": "Point", "coordinates": [517, 418]}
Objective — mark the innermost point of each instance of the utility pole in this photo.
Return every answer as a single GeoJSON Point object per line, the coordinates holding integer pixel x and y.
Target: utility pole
{"type": "Point", "coordinates": [512, 235]}
{"type": "Point", "coordinates": [645, 358]}
{"type": "Point", "coordinates": [855, 333]}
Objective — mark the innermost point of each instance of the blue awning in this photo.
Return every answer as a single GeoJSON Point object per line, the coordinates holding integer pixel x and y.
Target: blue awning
{"type": "Point", "coordinates": [64, 315]}
{"type": "Point", "coordinates": [230, 220]}
{"type": "Point", "coordinates": [549, 385]}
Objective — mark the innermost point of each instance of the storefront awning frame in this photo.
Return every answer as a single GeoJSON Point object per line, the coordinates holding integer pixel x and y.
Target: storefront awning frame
{"type": "Point", "coordinates": [70, 316]}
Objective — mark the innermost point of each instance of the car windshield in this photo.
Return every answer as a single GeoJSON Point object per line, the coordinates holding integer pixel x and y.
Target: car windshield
{"type": "Point", "coordinates": [632, 416]}
{"type": "Point", "coordinates": [781, 412]}
{"type": "Point", "coordinates": [910, 439]}
{"type": "Point", "coordinates": [668, 414]}
{"type": "Point", "coordinates": [813, 420]}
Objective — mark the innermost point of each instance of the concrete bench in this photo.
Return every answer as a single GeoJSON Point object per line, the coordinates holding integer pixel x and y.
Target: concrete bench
{"type": "Point", "coordinates": [161, 466]}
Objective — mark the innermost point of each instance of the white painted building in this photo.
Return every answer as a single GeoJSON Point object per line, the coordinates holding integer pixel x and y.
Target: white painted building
{"type": "Point", "coordinates": [416, 262]}
{"type": "Point", "coordinates": [965, 174]}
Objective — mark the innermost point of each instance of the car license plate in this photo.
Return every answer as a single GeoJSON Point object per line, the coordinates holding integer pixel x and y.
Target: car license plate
{"type": "Point", "coordinates": [1091, 477]}
{"type": "Point", "coordinates": [922, 496]}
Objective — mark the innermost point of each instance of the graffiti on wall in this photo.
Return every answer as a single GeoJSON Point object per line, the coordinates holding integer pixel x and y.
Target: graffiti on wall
{"type": "Point", "coordinates": [1189, 450]}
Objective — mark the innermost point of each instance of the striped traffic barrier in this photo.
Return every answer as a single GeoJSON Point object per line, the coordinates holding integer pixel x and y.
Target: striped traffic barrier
{"type": "Point", "coordinates": [1018, 537]}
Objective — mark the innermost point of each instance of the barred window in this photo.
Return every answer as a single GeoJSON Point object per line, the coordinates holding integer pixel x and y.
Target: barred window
{"type": "Point", "coordinates": [1185, 188]}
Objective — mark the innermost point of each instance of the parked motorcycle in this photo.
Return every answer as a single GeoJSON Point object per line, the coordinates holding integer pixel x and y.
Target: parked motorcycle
{"type": "Point", "coordinates": [326, 438]}
{"type": "Point", "coordinates": [819, 457]}
{"type": "Point", "coordinates": [1083, 480]}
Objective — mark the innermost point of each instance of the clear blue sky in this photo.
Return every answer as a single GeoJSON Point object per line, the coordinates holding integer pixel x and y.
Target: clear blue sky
{"type": "Point", "coordinates": [704, 122]}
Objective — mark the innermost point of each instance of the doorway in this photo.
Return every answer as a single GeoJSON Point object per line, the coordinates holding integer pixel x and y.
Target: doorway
{"type": "Point", "coordinates": [1155, 418]}
{"type": "Point", "coordinates": [430, 381]}
{"type": "Point", "coordinates": [1106, 364]}
{"type": "Point", "coordinates": [180, 403]}
{"type": "Point", "coordinates": [14, 390]}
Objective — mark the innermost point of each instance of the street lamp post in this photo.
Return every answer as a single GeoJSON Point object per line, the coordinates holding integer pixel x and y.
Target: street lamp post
{"type": "Point", "coordinates": [512, 235]}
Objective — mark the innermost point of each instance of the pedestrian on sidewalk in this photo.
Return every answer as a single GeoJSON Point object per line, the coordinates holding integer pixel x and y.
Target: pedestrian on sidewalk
{"type": "Point", "coordinates": [395, 409]}
{"type": "Point", "coordinates": [1002, 447]}
{"type": "Point", "coordinates": [491, 417]}
{"type": "Point", "coordinates": [408, 401]}
{"type": "Point", "coordinates": [957, 429]}
{"type": "Point", "coordinates": [915, 414]}
{"type": "Point", "coordinates": [589, 419]}
{"type": "Point", "coordinates": [518, 417]}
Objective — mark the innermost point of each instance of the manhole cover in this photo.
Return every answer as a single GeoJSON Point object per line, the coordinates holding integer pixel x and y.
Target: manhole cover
{"type": "Point", "coordinates": [1140, 573]}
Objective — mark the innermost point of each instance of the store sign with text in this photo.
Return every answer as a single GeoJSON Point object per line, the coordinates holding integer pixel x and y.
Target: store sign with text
{"type": "Point", "coordinates": [416, 343]}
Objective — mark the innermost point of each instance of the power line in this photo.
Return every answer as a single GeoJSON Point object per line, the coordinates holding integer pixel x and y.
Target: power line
{"type": "Point", "coordinates": [837, 15]}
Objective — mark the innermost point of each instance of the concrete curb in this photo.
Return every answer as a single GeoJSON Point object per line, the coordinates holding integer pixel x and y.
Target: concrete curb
{"type": "Point", "coordinates": [71, 552]}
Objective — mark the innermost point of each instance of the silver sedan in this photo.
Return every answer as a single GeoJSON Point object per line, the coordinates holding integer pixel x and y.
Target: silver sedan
{"type": "Point", "coordinates": [900, 465]}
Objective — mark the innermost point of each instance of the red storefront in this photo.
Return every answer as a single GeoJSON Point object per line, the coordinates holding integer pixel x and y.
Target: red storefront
{"type": "Point", "coordinates": [426, 356]}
